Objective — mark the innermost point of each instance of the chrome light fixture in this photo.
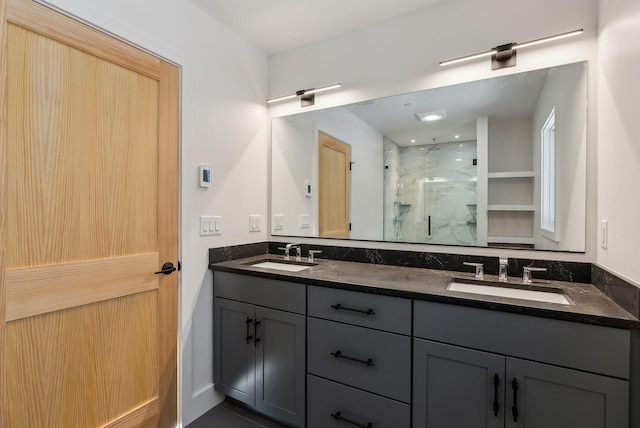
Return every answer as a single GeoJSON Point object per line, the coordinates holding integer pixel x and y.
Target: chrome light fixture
{"type": "Point", "coordinates": [307, 96]}
{"type": "Point", "coordinates": [505, 55]}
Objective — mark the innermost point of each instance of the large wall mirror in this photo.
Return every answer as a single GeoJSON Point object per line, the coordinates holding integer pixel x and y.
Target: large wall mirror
{"type": "Point", "coordinates": [496, 162]}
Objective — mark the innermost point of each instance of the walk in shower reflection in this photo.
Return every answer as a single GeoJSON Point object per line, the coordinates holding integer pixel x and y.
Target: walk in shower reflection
{"type": "Point", "coordinates": [430, 193]}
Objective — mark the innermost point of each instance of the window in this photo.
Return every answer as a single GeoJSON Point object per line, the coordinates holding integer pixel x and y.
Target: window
{"type": "Point", "coordinates": [548, 174]}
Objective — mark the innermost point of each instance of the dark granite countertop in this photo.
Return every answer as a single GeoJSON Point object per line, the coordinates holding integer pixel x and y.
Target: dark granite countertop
{"type": "Point", "coordinates": [589, 306]}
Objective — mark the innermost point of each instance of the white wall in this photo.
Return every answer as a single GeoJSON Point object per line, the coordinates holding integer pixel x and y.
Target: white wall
{"type": "Point", "coordinates": [402, 55]}
{"type": "Point", "coordinates": [223, 123]}
{"type": "Point", "coordinates": [294, 160]}
{"type": "Point", "coordinates": [619, 135]}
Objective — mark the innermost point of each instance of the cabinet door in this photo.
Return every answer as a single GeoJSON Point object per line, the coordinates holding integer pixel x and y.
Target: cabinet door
{"type": "Point", "coordinates": [234, 349]}
{"type": "Point", "coordinates": [280, 365]}
{"type": "Point", "coordinates": [549, 396]}
{"type": "Point", "coordinates": [454, 387]}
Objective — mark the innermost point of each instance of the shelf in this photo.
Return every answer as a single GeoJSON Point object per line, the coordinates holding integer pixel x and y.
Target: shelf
{"type": "Point", "coordinates": [511, 174]}
{"type": "Point", "coordinates": [509, 240]}
{"type": "Point", "coordinates": [511, 208]}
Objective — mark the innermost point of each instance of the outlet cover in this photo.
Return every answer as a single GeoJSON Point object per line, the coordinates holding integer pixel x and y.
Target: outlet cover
{"type": "Point", "coordinates": [278, 222]}
{"type": "Point", "coordinates": [254, 223]}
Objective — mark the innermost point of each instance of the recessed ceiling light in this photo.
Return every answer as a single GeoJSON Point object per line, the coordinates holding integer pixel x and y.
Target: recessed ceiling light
{"type": "Point", "coordinates": [459, 160]}
{"type": "Point", "coordinates": [431, 116]}
{"type": "Point", "coordinates": [413, 141]}
{"type": "Point", "coordinates": [456, 136]}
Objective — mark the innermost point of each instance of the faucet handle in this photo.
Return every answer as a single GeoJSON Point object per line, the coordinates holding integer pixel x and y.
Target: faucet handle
{"type": "Point", "coordinates": [479, 269]}
{"type": "Point", "coordinates": [312, 254]}
{"type": "Point", "coordinates": [526, 273]}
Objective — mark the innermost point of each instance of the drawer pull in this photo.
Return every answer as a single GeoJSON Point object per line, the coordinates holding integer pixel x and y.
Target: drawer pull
{"type": "Point", "coordinates": [368, 363]}
{"type": "Point", "coordinates": [337, 416]}
{"type": "Point", "coordinates": [514, 409]}
{"type": "Point", "coordinates": [256, 323]}
{"type": "Point", "coordinates": [248, 337]}
{"type": "Point", "coordinates": [339, 307]}
{"type": "Point", "coordinates": [496, 385]}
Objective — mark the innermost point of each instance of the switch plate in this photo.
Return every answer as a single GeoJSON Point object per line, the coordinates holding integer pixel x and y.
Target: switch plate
{"type": "Point", "coordinates": [305, 222]}
{"type": "Point", "coordinates": [278, 222]}
{"type": "Point", "coordinates": [210, 225]}
{"type": "Point", "coordinates": [254, 223]}
{"type": "Point", "coordinates": [604, 233]}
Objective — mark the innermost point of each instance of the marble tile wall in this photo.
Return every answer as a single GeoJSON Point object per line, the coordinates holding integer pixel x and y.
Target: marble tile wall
{"type": "Point", "coordinates": [430, 193]}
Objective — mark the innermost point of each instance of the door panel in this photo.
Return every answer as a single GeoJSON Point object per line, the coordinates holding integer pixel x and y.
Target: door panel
{"type": "Point", "coordinates": [334, 182]}
{"type": "Point", "coordinates": [454, 387]}
{"type": "Point", "coordinates": [550, 396]}
{"type": "Point", "coordinates": [90, 196]}
{"type": "Point", "coordinates": [235, 349]}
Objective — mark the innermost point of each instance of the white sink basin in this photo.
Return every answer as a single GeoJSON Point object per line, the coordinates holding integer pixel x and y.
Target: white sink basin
{"type": "Point", "coordinates": [289, 267]}
{"type": "Point", "coordinates": [550, 296]}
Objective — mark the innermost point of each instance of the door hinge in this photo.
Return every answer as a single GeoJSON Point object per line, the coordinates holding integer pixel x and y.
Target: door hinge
{"type": "Point", "coordinates": [349, 227]}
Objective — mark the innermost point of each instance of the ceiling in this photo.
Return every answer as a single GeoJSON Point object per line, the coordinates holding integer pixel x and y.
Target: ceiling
{"type": "Point", "coordinates": [276, 26]}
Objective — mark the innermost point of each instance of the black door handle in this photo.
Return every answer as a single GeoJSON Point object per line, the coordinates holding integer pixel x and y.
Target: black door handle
{"type": "Point", "coordinates": [256, 339]}
{"type": "Point", "coordinates": [338, 417]}
{"type": "Point", "coordinates": [167, 269]}
{"type": "Point", "coordinates": [514, 409]}
{"type": "Point", "coordinates": [496, 387]}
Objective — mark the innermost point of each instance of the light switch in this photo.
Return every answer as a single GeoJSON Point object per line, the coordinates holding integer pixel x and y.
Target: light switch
{"type": "Point", "coordinates": [217, 225]}
{"type": "Point", "coordinates": [254, 223]}
{"type": "Point", "coordinates": [278, 222]}
{"type": "Point", "coordinates": [305, 222]}
{"type": "Point", "coordinates": [604, 233]}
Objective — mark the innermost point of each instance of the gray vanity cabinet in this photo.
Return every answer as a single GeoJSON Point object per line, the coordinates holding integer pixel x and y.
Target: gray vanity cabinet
{"type": "Point", "coordinates": [359, 359]}
{"type": "Point", "coordinates": [259, 351]}
{"type": "Point", "coordinates": [485, 377]}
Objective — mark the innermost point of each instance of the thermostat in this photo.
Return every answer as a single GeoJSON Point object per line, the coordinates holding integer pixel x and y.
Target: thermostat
{"type": "Point", "coordinates": [205, 176]}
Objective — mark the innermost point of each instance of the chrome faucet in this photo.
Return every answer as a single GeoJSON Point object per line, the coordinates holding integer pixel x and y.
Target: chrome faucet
{"type": "Point", "coordinates": [504, 267]}
{"type": "Point", "coordinates": [479, 269]}
{"type": "Point", "coordinates": [287, 251]}
{"type": "Point", "coordinates": [526, 273]}
{"type": "Point", "coordinates": [312, 255]}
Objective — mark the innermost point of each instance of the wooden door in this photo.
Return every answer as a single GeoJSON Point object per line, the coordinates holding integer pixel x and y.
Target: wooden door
{"type": "Point", "coordinates": [89, 212]}
{"type": "Point", "coordinates": [334, 182]}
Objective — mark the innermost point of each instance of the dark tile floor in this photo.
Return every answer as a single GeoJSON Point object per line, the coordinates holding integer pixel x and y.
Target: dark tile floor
{"type": "Point", "coordinates": [230, 414]}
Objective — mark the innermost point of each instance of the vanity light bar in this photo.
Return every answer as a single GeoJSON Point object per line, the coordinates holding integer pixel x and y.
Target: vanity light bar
{"type": "Point", "coordinates": [512, 47]}
{"type": "Point", "coordinates": [304, 92]}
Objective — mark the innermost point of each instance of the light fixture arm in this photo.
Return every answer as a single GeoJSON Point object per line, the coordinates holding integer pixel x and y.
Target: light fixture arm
{"type": "Point", "coordinates": [505, 55]}
{"type": "Point", "coordinates": [307, 96]}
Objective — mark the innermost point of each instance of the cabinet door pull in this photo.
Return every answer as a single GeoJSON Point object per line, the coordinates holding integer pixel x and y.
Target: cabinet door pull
{"type": "Point", "coordinates": [514, 409]}
{"type": "Point", "coordinates": [496, 385]}
{"type": "Point", "coordinates": [339, 307]}
{"type": "Point", "coordinates": [369, 362]}
{"type": "Point", "coordinates": [256, 323]}
{"type": "Point", "coordinates": [337, 416]}
{"type": "Point", "coordinates": [248, 337]}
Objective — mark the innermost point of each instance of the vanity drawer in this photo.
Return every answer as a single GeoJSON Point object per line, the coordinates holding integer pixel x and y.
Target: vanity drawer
{"type": "Point", "coordinates": [326, 398]}
{"type": "Point", "coordinates": [387, 373]}
{"type": "Point", "coordinates": [586, 347]}
{"type": "Point", "coordinates": [363, 309]}
{"type": "Point", "coordinates": [270, 293]}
